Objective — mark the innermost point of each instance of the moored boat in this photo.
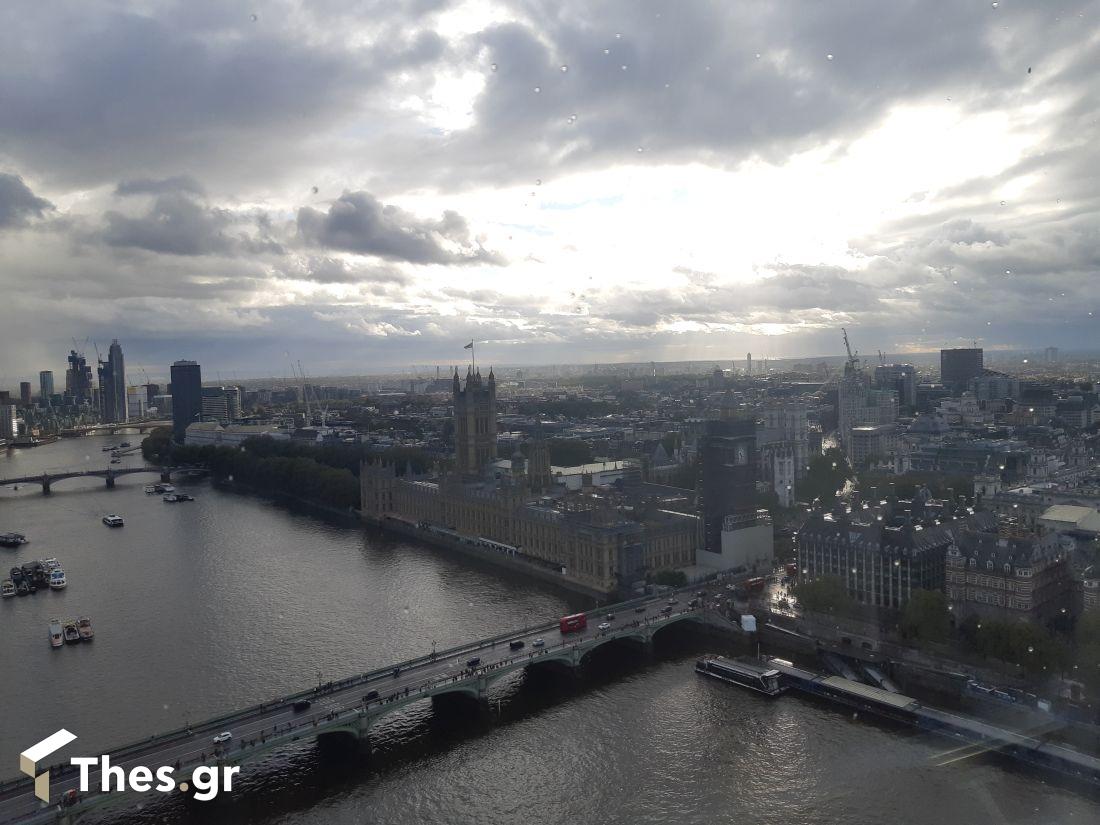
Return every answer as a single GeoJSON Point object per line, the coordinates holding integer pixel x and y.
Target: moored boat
{"type": "Point", "coordinates": [755, 677]}
{"type": "Point", "coordinates": [57, 580]}
{"type": "Point", "coordinates": [84, 627]}
{"type": "Point", "coordinates": [150, 489]}
{"type": "Point", "coordinates": [72, 634]}
{"type": "Point", "coordinates": [6, 588]}
{"type": "Point", "coordinates": [12, 539]}
{"type": "Point", "coordinates": [56, 636]}
{"type": "Point", "coordinates": [112, 520]}
{"type": "Point", "coordinates": [52, 564]}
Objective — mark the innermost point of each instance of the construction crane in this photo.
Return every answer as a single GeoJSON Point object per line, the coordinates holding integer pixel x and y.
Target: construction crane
{"type": "Point", "coordinates": [881, 358]}
{"type": "Point", "coordinates": [852, 365]}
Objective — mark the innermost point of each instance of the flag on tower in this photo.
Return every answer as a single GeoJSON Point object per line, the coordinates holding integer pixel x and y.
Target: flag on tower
{"type": "Point", "coordinates": [469, 345]}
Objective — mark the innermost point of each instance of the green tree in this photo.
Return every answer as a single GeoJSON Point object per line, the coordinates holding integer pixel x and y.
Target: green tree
{"type": "Point", "coordinates": [670, 578]}
{"type": "Point", "coordinates": [828, 474]}
{"type": "Point", "coordinates": [825, 595]}
{"type": "Point", "coordinates": [925, 616]}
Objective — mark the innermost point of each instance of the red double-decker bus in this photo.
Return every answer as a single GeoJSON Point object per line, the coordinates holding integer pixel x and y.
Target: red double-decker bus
{"type": "Point", "coordinates": [571, 624]}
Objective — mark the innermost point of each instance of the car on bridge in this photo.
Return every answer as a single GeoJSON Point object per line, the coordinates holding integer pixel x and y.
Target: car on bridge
{"type": "Point", "coordinates": [224, 736]}
{"type": "Point", "coordinates": [640, 608]}
{"type": "Point", "coordinates": [370, 697]}
{"type": "Point", "coordinates": [515, 644]}
{"type": "Point", "coordinates": [604, 626]}
{"type": "Point", "coordinates": [538, 643]}
{"type": "Point", "coordinates": [474, 662]}
{"type": "Point", "coordinates": [302, 704]}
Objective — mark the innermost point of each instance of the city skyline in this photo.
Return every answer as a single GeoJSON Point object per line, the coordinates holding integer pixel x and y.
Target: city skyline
{"type": "Point", "coordinates": [640, 183]}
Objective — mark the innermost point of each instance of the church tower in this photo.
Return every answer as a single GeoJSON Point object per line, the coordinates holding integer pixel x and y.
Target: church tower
{"type": "Point", "coordinates": [475, 408]}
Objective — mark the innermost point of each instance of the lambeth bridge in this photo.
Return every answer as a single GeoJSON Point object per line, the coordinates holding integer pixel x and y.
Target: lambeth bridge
{"type": "Point", "coordinates": [349, 708]}
{"type": "Point", "coordinates": [113, 429]}
{"type": "Point", "coordinates": [48, 478]}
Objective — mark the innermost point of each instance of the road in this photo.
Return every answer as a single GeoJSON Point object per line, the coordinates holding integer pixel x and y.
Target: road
{"type": "Point", "coordinates": [261, 727]}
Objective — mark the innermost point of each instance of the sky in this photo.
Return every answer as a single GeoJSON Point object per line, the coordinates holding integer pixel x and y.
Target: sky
{"type": "Point", "coordinates": [362, 185]}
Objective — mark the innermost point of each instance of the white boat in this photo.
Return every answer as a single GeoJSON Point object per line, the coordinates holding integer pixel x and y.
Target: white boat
{"type": "Point", "coordinates": [171, 498]}
{"type": "Point", "coordinates": [52, 564]}
{"type": "Point", "coordinates": [57, 639]}
{"type": "Point", "coordinates": [7, 588]}
{"type": "Point", "coordinates": [111, 520]}
{"type": "Point", "coordinates": [150, 489]}
{"type": "Point", "coordinates": [166, 488]}
{"type": "Point", "coordinates": [57, 579]}
{"type": "Point", "coordinates": [84, 628]}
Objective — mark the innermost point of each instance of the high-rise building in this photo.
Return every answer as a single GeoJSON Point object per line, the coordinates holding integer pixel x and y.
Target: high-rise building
{"type": "Point", "coordinates": [112, 385]}
{"type": "Point", "coordinates": [78, 379]}
{"type": "Point", "coordinates": [1051, 354]}
{"type": "Point", "coordinates": [45, 385]}
{"type": "Point", "coordinates": [958, 366]}
{"type": "Point", "coordinates": [859, 404]}
{"type": "Point", "coordinates": [728, 475]}
{"type": "Point", "coordinates": [25, 393]}
{"type": "Point", "coordinates": [151, 392]}
{"type": "Point", "coordinates": [475, 417]}
{"type": "Point", "coordinates": [186, 397]}
{"type": "Point", "coordinates": [222, 404]}
{"type": "Point", "coordinates": [902, 378]}
{"type": "Point", "coordinates": [9, 422]}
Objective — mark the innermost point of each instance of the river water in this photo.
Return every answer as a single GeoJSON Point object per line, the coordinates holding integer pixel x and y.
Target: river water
{"type": "Point", "coordinates": [229, 600]}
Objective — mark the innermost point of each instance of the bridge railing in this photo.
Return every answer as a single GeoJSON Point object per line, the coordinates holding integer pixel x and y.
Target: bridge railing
{"type": "Point", "coordinates": [155, 741]}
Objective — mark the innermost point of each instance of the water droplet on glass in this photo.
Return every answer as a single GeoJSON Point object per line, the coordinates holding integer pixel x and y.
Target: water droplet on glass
{"type": "Point", "coordinates": [828, 57]}
{"type": "Point", "coordinates": [572, 118]}
{"type": "Point", "coordinates": [1008, 272]}
{"type": "Point", "coordinates": [956, 283]}
{"type": "Point", "coordinates": [1004, 203]}
{"type": "Point", "coordinates": [538, 89]}
{"type": "Point", "coordinates": [994, 5]}
{"type": "Point", "coordinates": [493, 66]}
{"type": "Point", "coordinates": [564, 68]}
{"type": "Point", "coordinates": [758, 55]}
{"type": "Point", "coordinates": [254, 17]}
{"type": "Point", "coordinates": [623, 67]}
{"type": "Point", "coordinates": [538, 182]}
{"type": "Point", "coordinates": [706, 68]}
{"type": "Point", "coordinates": [315, 190]}
{"type": "Point", "coordinates": [618, 36]}
{"type": "Point", "coordinates": [607, 51]}
{"type": "Point", "coordinates": [639, 150]}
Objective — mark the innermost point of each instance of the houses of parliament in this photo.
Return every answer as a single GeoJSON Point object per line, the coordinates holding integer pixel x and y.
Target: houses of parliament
{"type": "Point", "coordinates": [598, 539]}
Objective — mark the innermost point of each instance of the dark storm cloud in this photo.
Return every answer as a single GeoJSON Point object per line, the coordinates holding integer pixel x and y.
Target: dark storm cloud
{"type": "Point", "coordinates": [98, 91]}
{"type": "Point", "coordinates": [177, 224]}
{"type": "Point", "coordinates": [358, 222]}
{"type": "Point", "coordinates": [154, 186]}
{"type": "Point", "coordinates": [18, 203]}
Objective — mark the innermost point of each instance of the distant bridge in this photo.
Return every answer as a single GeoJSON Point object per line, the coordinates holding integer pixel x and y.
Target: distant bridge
{"type": "Point", "coordinates": [113, 429]}
{"type": "Point", "coordinates": [349, 708]}
{"type": "Point", "coordinates": [48, 478]}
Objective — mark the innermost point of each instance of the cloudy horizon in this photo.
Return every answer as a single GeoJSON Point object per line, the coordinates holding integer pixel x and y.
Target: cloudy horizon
{"type": "Point", "coordinates": [362, 185]}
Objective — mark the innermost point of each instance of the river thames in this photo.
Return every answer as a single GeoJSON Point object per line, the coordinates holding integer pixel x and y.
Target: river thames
{"type": "Point", "coordinates": [229, 600]}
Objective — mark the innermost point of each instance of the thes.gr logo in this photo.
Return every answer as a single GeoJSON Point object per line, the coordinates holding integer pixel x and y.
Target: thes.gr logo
{"type": "Point", "coordinates": [29, 759]}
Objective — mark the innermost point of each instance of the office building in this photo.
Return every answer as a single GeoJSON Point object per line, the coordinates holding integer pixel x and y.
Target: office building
{"type": "Point", "coordinates": [902, 379]}
{"type": "Point", "coordinates": [858, 404]}
{"type": "Point", "coordinates": [112, 385]}
{"type": "Point", "coordinates": [1008, 572]}
{"type": "Point", "coordinates": [25, 393]}
{"type": "Point", "coordinates": [958, 366]}
{"type": "Point", "coordinates": [151, 392]}
{"type": "Point", "coordinates": [221, 404]}
{"type": "Point", "coordinates": [1051, 355]}
{"type": "Point", "coordinates": [45, 385]}
{"type": "Point", "coordinates": [883, 551]}
{"type": "Point", "coordinates": [186, 397]}
{"type": "Point", "coordinates": [9, 422]}
{"type": "Point", "coordinates": [162, 404]}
